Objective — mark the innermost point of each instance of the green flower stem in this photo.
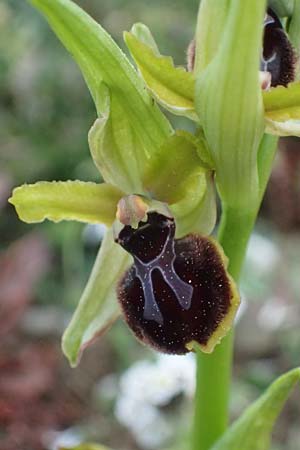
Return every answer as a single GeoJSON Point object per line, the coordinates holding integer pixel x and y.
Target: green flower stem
{"type": "Point", "coordinates": [214, 370]}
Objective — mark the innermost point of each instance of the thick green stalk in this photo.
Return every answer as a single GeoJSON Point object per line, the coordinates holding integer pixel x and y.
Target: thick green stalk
{"type": "Point", "coordinates": [214, 370]}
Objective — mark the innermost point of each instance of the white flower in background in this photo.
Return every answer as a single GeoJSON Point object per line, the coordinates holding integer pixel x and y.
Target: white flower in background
{"type": "Point", "coordinates": [148, 386]}
{"type": "Point", "coordinates": [262, 254]}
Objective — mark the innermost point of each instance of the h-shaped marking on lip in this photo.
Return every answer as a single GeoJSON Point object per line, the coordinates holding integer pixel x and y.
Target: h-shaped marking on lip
{"type": "Point", "coordinates": [164, 262]}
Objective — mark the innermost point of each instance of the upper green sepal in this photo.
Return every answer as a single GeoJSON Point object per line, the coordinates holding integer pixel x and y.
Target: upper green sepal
{"type": "Point", "coordinates": [66, 200]}
{"type": "Point", "coordinates": [252, 431]}
{"type": "Point", "coordinates": [102, 61]}
{"type": "Point", "coordinates": [172, 87]}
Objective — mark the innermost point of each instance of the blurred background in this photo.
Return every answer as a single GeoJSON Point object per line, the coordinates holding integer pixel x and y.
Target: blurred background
{"type": "Point", "coordinates": [122, 394]}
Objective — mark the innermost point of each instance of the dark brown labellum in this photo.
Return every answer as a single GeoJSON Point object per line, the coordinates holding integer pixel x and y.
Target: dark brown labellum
{"type": "Point", "coordinates": [177, 291]}
{"type": "Point", "coordinates": [278, 56]}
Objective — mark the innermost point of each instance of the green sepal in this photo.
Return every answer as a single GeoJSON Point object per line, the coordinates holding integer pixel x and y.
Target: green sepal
{"type": "Point", "coordinates": [229, 104]}
{"type": "Point", "coordinates": [176, 162]}
{"type": "Point", "coordinates": [252, 431]}
{"type": "Point", "coordinates": [101, 60]}
{"type": "Point", "coordinates": [185, 182]}
{"type": "Point", "coordinates": [197, 211]}
{"type": "Point", "coordinates": [114, 145]}
{"type": "Point", "coordinates": [98, 307]}
{"type": "Point", "coordinates": [66, 200]}
{"type": "Point", "coordinates": [172, 87]}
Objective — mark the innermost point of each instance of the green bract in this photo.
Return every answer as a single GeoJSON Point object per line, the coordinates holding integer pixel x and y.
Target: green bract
{"type": "Point", "coordinates": [229, 102]}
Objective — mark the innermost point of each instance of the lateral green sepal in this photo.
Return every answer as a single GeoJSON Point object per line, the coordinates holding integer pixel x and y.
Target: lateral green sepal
{"type": "Point", "coordinates": [252, 431]}
{"type": "Point", "coordinates": [98, 307]}
{"type": "Point", "coordinates": [66, 200]}
{"type": "Point", "coordinates": [172, 87]}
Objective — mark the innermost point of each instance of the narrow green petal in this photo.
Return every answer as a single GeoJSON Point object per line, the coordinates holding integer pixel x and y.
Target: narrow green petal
{"type": "Point", "coordinates": [115, 148]}
{"type": "Point", "coordinates": [172, 87]}
{"type": "Point", "coordinates": [252, 431]}
{"type": "Point", "coordinates": [101, 60]}
{"type": "Point", "coordinates": [66, 200]}
{"type": "Point", "coordinates": [98, 307]}
{"type": "Point", "coordinates": [144, 35]}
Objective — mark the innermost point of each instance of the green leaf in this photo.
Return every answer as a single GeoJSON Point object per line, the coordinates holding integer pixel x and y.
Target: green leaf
{"type": "Point", "coordinates": [172, 87]}
{"type": "Point", "coordinates": [115, 148]}
{"type": "Point", "coordinates": [102, 61]}
{"type": "Point", "coordinates": [253, 429]}
{"type": "Point", "coordinates": [229, 103]}
{"type": "Point", "coordinates": [66, 200]}
{"type": "Point", "coordinates": [98, 307]}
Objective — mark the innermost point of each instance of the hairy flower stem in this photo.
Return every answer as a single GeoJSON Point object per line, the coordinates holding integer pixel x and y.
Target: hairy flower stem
{"type": "Point", "coordinates": [214, 370]}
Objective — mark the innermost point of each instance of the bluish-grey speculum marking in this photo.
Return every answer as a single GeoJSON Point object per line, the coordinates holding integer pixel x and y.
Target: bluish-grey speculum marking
{"type": "Point", "coordinates": [162, 261]}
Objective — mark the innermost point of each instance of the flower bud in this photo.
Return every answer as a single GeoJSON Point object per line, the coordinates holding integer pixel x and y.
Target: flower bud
{"type": "Point", "coordinates": [178, 292]}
